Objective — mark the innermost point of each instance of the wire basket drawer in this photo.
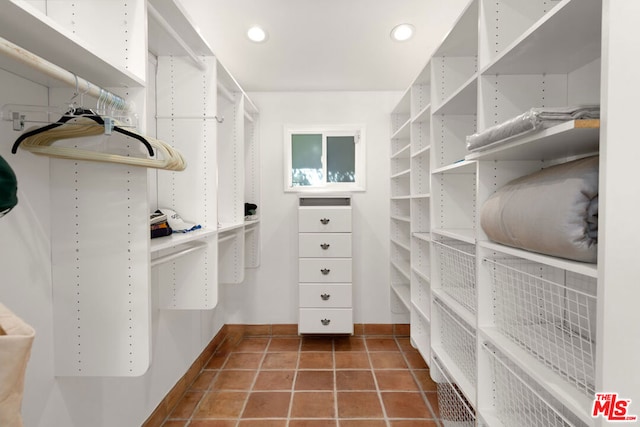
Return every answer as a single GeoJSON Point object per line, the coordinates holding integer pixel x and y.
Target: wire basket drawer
{"type": "Point", "coordinates": [457, 261]}
{"type": "Point", "coordinates": [458, 340]}
{"type": "Point", "coordinates": [519, 401]}
{"type": "Point", "coordinates": [454, 409]}
{"type": "Point", "coordinates": [549, 312]}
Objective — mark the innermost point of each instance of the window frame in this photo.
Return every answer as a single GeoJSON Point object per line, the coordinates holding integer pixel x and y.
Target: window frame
{"type": "Point", "coordinates": [356, 130]}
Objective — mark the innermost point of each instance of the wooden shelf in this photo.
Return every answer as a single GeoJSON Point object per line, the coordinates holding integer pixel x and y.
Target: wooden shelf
{"type": "Point", "coordinates": [571, 138]}
{"type": "Point", "coordinates": [422, 236]}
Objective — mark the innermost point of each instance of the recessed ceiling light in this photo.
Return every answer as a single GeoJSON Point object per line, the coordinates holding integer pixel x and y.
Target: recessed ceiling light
{"type": "Point", "coordinates": [402, 32]}
{"type": "Point", "coordinates": [257, 34]}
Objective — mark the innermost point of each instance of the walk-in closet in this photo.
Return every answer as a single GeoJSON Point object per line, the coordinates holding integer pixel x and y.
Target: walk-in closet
{"type": "Point", "coordinates": [319, 213]}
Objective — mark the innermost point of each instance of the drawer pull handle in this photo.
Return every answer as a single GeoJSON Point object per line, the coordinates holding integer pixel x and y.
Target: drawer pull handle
{"type": "Point", "coordinates": [325, 246]}
{"type": "Point", "coordinates": [325, 221]}
{"type": "Point", "coordinates": [325, 322]}
{"type": "Point", "coordinates": [325, 271]}
{"type": "Point", "coordinates": [325, 297]}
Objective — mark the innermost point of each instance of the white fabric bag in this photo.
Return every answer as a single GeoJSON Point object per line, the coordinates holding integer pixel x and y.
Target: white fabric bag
{"type": "Point", "coordinates": [16, 338]}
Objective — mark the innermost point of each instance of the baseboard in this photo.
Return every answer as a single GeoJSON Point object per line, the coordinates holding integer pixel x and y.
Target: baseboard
{"type": "Point", "coordinates": [229, 335]}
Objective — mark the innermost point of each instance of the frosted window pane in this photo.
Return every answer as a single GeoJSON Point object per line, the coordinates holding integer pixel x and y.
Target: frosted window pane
{"type": "Point", "coordinates": [306, 159]}
{"type": "Point", "coordinates": [341, 159]}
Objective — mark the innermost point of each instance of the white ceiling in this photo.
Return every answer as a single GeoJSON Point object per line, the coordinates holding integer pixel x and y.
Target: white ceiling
{"type": "Point", "coordinates": [323, 44]}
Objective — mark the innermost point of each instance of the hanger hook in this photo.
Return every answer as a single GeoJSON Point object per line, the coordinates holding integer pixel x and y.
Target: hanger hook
{"type": "Point", "coordinates": [84, 93]}
{"type": "Point", "coordinates": [75, 93]}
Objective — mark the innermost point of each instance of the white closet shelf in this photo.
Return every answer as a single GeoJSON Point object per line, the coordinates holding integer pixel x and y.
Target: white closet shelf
{"type": "Point", "coordinates": [421, 196]}
{"type": "Point", "coordinates": [401, 198]}
{"type": "Point", "coordinates": [404, 173]}
{"type": "Point", "coordinates": [422, 236]}
{"type": "Point", "coordinates": [586, 269]}
{"type": "Point", "coordinates": [400, 244]}
{"type": "Point", "coordinates": [30, 29]}
{"type": "Point", "coordinates": [176, 21]}
{"type": "Point", "coordinates": [403, 107]}
{"type": "Point", "coordinates": [422, 151]}
{"type": "Point", "coordinates": [455, 306]}
{"type": "Point", "coordinates": [421, 274]}
{"type": "Point", "coordinates": [403, 131]}
{"type": "Point", "coordinates": [459, 378]}
{"type": "Point", "coordinates": [462, 40]}
{"type": "Point", "coordinates": [251, 223]}
{"type": "Point", "coordinates": [223, 228]}
{"type": "Point", "coordinates": [462, 101]}
{"type": "Point", "coordinates": [461, 166]}
{"type": "Point", "coordinates": [571, 138]}
{"type": "Point", "coordinates": [464, 234]}
{"type": "Point", "coordinates": [423, 115]}
{"type": "Point", "coordinates": [578, 403]}
{"type": "Point", "coordinates": [402, 269]}
{"type": "Point", "coordinates": [543, 48]}
{"type": "Point", "coordinates": [420, 312]}
{"type": "Point", "coordinates": [176, 239]}
{"type": "Point", "coordinates": [403, 153]}
{"type": "Point", "coordinates": [403, 293]}
{"type": "Point", "coordinates": [401, 218]}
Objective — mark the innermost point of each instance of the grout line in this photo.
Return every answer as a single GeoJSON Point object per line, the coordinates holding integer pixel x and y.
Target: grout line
{"type": "Point", "coordinates": [375, 380]}
{"type": "Point", "coordinates": [418, 383]}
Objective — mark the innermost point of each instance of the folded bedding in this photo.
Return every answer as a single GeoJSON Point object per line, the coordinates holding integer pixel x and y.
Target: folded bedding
{"type": "Point", "coordinates": [532, 120]}
{"type": "Point", "coordinates": [553, 211]}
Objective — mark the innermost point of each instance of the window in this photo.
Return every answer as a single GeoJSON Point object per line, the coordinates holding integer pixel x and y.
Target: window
{"type": "Point", "coordinates": [328, 157]}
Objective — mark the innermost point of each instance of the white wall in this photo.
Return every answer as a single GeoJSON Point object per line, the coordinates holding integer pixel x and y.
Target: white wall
{"type": "Point", "coordinates": [177, 337]}
{"type": "Point", "coordinates": [269, 293]}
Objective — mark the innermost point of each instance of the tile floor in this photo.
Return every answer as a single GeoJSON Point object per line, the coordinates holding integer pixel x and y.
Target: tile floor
{"type": "Point", "coordinates": [292, 381]}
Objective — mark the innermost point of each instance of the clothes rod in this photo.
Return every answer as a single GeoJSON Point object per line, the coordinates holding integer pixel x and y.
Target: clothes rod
{"type": "Point", "coordinates": [58, 73]}
{"type": "Point", "coordinates": [169, 29]}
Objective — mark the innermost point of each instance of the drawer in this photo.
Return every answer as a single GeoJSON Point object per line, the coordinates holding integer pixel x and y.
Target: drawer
{"type": "Point", "coordinates": [325, 295]}
{"type": "Point", "coordinates": [323, 219]}
{"type": "Point", "coordinates": [325, 321]}
{"type": "Point", "coordinates": [324, 270]}
{"type": "Point", "coordinates": [324, 245]}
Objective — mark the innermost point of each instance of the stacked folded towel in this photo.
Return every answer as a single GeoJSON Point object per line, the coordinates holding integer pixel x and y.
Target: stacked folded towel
{"type": "Point", "coordinates": [532, 120]}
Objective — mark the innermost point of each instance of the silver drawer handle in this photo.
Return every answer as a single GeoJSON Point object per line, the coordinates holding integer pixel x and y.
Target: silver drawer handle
{"type": "Point", "coordinates": [325, 271]}
{"type": "Point", "coordinates": [325, 322]}
{"type": "Point", "coordinates": [325, 297]}
{"type": "Point", "coordinates": [325, 221]}
{"type": "Point", "coordinates": [325, 246]}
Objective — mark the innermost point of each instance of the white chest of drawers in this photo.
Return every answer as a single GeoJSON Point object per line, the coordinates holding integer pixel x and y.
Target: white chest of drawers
{"type": "Point", "coordinates": [324, 265]}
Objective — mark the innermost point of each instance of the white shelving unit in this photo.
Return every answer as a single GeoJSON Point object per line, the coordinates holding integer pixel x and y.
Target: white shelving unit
{"type": "Point", "coordinates": [100, 296]}
{"type": "Point", "coordinates": [481, 302]}
{"type": "Point", "coordinates": [238, 179]}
